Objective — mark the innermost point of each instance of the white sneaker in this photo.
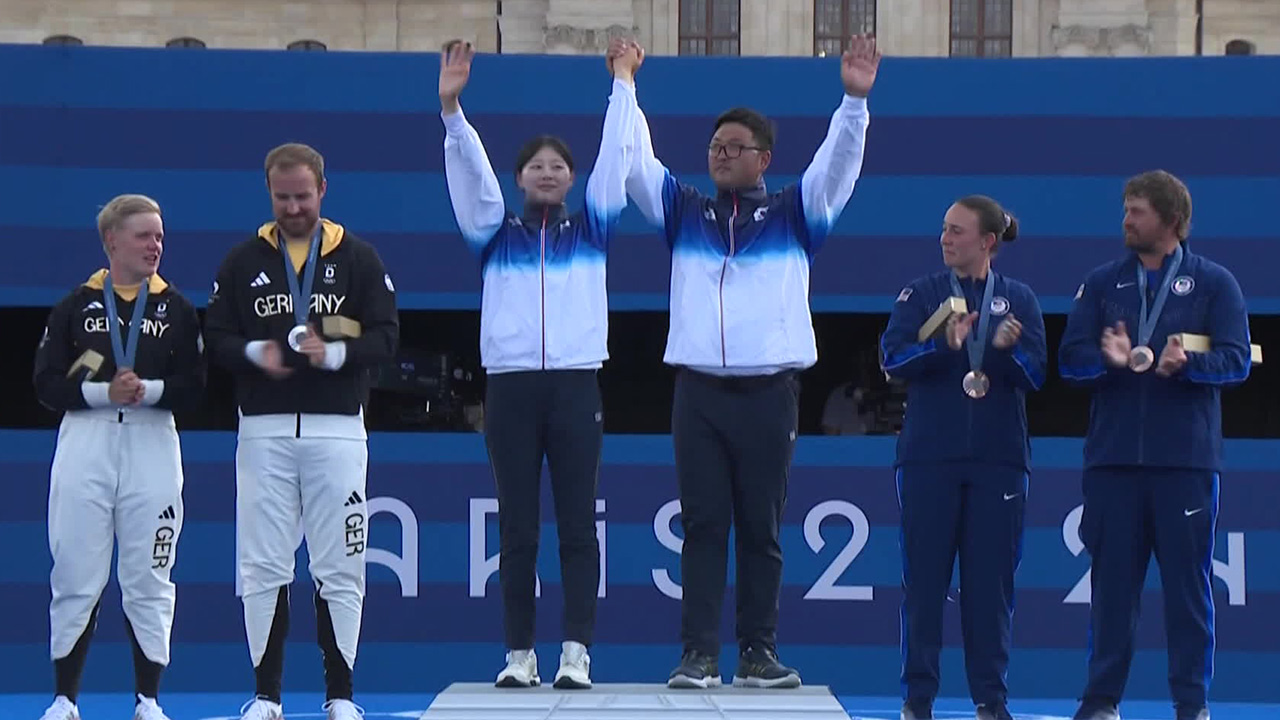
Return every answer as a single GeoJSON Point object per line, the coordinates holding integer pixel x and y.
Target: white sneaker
{"type": "Point", "coordinates": [575, 667]}
{"type": "Point", "coordinates": [259, 709]}
{"type": "Point", "coordinates": [61, 709]}
{"type": "Point", "coordinates": [340, 709]}
{"type": "Point", "coordinates": [521, 670]}
{"type": "Point", "coordinates": [147, 709]}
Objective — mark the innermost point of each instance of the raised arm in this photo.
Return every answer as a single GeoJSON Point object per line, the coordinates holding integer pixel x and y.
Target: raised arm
{"type": "Point", "coordinates": [473, 187]}
{"type": "Point", "coordinates": [649, 183]}
{"type": "Point", "coordinates": [606, 188]}
{"type": "Point", "coordinates": [827, 184]}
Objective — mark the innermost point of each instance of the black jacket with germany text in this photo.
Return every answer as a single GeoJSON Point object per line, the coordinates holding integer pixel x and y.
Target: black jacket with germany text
{"type": "Point", "coordinates": [168, 359]}
{"type": "Point", "coordinates": [251, 301]}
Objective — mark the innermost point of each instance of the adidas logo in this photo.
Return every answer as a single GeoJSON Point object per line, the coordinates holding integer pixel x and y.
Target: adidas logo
{"type": "Point", "coordinates": [261, 281]}
{"type": "Point", "coordinates": [95, 305]}
{"type": "Point", "coordinates": [355, 499]}
{"type": "Point", "coordinates": [168, 514]}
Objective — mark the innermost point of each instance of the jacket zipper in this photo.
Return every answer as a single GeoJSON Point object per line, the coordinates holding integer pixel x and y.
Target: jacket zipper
{"type": "Point", "coordinates": [542, 280]}
{"type": "Point", "coordinates": [724, 356]}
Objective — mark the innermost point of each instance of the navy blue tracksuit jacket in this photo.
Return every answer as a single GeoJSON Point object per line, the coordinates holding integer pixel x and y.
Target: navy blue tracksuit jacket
{"type": "Point", "coordinates": [962, 479]}
{"type": "Point", "coordinates": [1152, 457]}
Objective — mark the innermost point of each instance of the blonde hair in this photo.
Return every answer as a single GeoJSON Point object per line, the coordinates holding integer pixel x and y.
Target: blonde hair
{"type": "Point", "coordinates": [122, 207]}
{"type": "Point", "coordinates": [291, 155]}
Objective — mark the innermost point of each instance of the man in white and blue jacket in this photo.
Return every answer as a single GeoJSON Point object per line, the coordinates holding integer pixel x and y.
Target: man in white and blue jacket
{"type": "Point", "coordinates": [1154, 449]}
{"type": "Point", "coordinates": [740, 332]}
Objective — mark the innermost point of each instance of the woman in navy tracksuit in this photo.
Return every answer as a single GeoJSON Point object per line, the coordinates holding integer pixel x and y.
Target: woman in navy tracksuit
{"type": "Point", "coordinates": [543, 336]}
{"type": "Point", "coordinates": [963, 453]}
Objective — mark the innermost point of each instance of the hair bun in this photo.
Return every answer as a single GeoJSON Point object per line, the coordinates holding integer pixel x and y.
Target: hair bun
{"type": "Point", "coordinates": [1010, 228]}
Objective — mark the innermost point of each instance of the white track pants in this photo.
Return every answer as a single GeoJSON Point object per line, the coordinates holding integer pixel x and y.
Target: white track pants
{"type": "Point", "coordinates": [288, 489]}
{"type": "Point", "coordinates": [115, 480]}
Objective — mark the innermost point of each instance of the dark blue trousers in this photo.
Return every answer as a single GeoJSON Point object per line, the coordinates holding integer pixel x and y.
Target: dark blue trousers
{"type": "Point", "coordinates": [557, 415]}
{"type": "Point", "coordinates": [976, 511]}
{"type": "Point", "coordinates": [1130, 512]}
{"type": "Point", "coordinates": [733, 438]}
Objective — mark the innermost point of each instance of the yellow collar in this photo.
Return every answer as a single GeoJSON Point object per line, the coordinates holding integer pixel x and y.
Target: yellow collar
{"type": "Point", "coordinates": [330, 237]}
{"type": "Point", "coordinates": [97, 281]}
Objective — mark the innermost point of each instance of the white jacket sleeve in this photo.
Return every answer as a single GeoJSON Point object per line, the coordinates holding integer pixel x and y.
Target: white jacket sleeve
{"type": "Point", "coordinates": [473, 187]}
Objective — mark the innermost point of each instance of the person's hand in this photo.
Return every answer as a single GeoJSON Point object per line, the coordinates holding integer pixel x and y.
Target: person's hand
{"type": "Point", "coordinates": [273, 361]}
{"type": "Point", "coordinates": [313, 347]}
{"type": "Point", "coordinates": [624, 58]}
{"type": "Point", "coordinates": [125, 388]}
{"type": "Point", "coordinates": [455, 69]}
{"type": "Point", "coordinates": [958, 328]}
{"type": "Point", "coordinates": [1116, 346]}
{"type": "Point", "coordinates": [858, 65]}
{"type": "Point", "coordinates": [1007, 333]}
{"type": "Point", "coordinates": [1173, 358]}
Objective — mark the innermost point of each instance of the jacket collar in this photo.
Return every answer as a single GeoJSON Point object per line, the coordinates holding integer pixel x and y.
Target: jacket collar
{"type": "Point", "coordinates": [98, 281]}
{"type": "Point", "coordinates": [754, 194]}
{"type": "Point", "coordinates": [535, 213]}
{"type": "Point", "coordinates": [330, 237]}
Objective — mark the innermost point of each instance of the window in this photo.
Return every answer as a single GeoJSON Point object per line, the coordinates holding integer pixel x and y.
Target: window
{"type": "Point", "coordinates": [709, 27]}
{"type": "Point", "coordinates": [307, 45]}
{"type": "Point", "coordinates": [63, 40]}
{"type": "Point", "coordinates": [981, 28]}
{"type": "Point", "coordinates": [185, 42]}
{"type": "Point", "coordinates": [835, 21]}
{"type": "Point", "coordinates": [1240, 47]}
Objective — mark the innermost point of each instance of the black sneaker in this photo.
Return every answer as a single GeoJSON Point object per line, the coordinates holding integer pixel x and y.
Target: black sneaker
{"type": "Point", "coordinates": [1097, 709]}
{"type": "Point", "coordinates": [993, 711]}
{"type": "Point", "coordinates": [917, 710]}
{"type": "Point", "coordinates": [1192, 712]}
{"type": "Point", "coordinates": [758, 667]}
{"type": "Point", "coordinates": [697, 670]}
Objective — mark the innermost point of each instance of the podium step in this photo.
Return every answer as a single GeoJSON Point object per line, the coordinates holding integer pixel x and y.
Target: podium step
{"type": "Point", "coordinates": [482, 701]}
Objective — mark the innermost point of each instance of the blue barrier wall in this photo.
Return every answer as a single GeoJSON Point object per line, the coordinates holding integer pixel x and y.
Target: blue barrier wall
{"type": "Point", "coordinates": [433, 609]}
{"type": "Point", "coordinates": [1053, 139]}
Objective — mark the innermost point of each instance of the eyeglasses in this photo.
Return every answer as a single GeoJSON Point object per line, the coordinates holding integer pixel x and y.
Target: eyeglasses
{"type": "Point", "coordinates": [730, 151]}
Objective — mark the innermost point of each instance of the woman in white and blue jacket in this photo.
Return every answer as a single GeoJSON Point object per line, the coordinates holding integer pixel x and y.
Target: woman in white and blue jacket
{"type": "Point", "coordinates": [963, 454]}
{"type": "Point", "coordinates": [543, 337]}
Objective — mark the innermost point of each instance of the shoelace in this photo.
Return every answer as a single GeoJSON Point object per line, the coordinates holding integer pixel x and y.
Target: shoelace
{"type": "Point", "coordinates": [149, 710]}
{"type": "Point", "coordinates": [245, 707]}
{"type": "Point", "coordinates": [59, 710]}
{"type": "Point", "coordinates": [336, 702]}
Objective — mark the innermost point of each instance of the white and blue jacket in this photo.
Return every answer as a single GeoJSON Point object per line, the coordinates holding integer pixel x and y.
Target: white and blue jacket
{"type": "Point", "coordinates": [740, 261]}
{"type": "Point", "coordinates": [544, 304]}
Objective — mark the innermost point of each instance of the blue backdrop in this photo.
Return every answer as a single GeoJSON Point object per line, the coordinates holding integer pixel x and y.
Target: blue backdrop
{"type": "Point", "coordinates": [1053, 139]}
{"type": "Point", "coordinates": [433, 612]}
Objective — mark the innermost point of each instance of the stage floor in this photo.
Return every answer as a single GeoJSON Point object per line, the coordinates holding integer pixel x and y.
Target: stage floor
{"type": "Point", "coordinates": [202, 706]}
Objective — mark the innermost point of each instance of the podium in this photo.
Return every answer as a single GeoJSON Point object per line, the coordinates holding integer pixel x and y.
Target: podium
{"type": "Point", "coordinates": [482, 701]}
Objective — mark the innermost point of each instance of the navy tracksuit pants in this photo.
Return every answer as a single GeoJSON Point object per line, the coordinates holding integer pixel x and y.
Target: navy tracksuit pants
{"type": "Point", "coordinates": [554, 414]}
{"type": "Point", "coordinates": [976, 511]}
{"type": "Point", "coordinates": [1130, 512]}
{"type": "Point", "coordinates": [734, 438]}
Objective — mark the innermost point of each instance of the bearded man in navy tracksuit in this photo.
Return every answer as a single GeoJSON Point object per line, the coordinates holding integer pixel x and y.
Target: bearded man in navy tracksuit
{"type": "Point", "coordinates": [1154, 448]}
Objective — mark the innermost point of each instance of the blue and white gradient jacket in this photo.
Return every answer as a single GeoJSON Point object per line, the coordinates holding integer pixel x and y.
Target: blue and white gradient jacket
{"type": "Point", "coordinates": [1142, 418]}
{"type": "Point", "coordinates": [740, 261]}
{"type": "Point", "coordinates": [544, 305]}
{"type": "Point", "coordinates": [942, 423]}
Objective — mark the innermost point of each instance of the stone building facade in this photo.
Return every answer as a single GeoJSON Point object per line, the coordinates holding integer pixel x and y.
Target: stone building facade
{"type": "Point", "coordinates": [928, 28]}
